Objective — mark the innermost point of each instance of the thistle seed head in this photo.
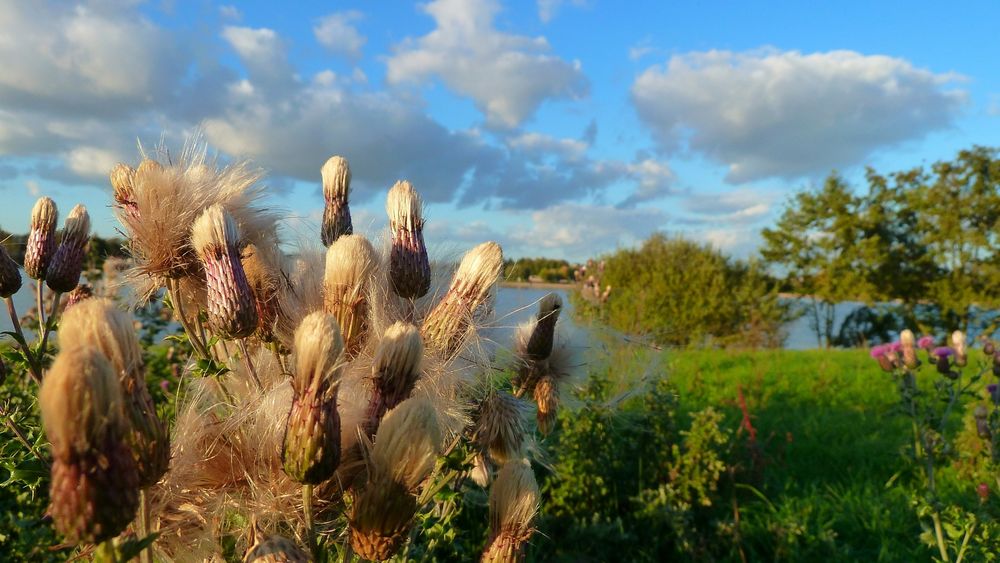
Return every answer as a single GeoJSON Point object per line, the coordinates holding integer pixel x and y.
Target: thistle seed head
{"type": "Point", "coordinates": [94, 489]}
{"type": "Point", "coordinates": [539, 345]}
{"type": "Point", "coordinates": [98, 324]}
{"type": "Point", "coordinates": [513, 504]}
{"type": "Point", "coordinates": [64, 270]}
{"type": "Point", "coordinates": [395, 371]}
{"type": "Point", "coordinates": [232, 310]}
{"type": "Point", "coordinates": [266, 281]}
{"type": "Point", "coordinates": [41, 245]}
{"type": "Point", "coordinates": [350, 267]}
{"type": "Point", "coordinates": [10, 274]}
{"type": "Point", "coordinates": [336, 187]}
{"type": "Point", "coordinates": [276, 549]}
{"type": "Point", "coordinates": [447, 325]}
{"type": "Point", "coordinates": [547, 401]}
{"type": "Point", "coordinates": [409, 266]}
{"type": "Point", "coordinates": [500, 427]}
{"type": "Point", "coordinates": [123, 183]}
{"type": "Point", "coordinates": [318, 349]}
{"type": "Point", "coordinates": [406, 444]}
{"type": "Point", "coordinates": [959, 344]}
{"type": "Point", "coordinates": [908, 347]}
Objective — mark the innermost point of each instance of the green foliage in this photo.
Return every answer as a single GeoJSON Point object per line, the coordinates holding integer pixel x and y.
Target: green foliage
{"type": "Point", "coordinates": [679, 292]}
{"type": "Point", "coordinates": [546, 269]}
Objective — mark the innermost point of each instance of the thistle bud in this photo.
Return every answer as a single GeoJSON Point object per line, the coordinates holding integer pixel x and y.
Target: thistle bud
{"type": "Point", "coordinates": [41, 245]}
{"type": "Point", "coordinates": [64, 270]}
{"type": "Point", "coordinates": [409, 267]}
{"type": "Point", "coordinates": [908, 343]}
{"type": "Point", "coordinates": [266, 282]}
{"type": "Point", "coordinates": [99, 325]}
{"type": "Point", "coordinates": [311, 445]}
{"type": "Point", "coordinates": [79, 293]}
{"type": "Point", "coordinates": [10, 275]}
{"type": "Point", "coordinates": [350, 265]}
{"type": "Point", "coordinates": [232, 310]}
{"type": "Point", "coordinates": [94, 489]}
{"type": "Point", "coordinates": [513, 505]}
{"type": "Point", "coordinates": [123, 183]}
{"type": "Point", "coordinates": [958, 343]}
{"type": "Point", "coordinates": [336, 187]}
{"type": "Point", "coordinates": [547, 400]}
{"type": "Point", "coordinates": [500, 426]}
{"type": "Point", "coordinates": [395, 371]}
{"type": "Point", "coordinates": [276, 549]}
{"type": "Point", "coordinates": [447, 325]}
{"type": "Point", "coordinates": [406, 447]}
{"type": "Point", "coordinates": [539, 345]}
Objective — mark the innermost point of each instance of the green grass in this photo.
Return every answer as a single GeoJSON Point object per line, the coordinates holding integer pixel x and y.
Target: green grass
{"type": "Point", "coordinates": [834, 484]}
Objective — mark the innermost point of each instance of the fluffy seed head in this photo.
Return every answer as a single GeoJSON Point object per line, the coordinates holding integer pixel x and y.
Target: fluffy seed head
{"type": "Point", "coordinates": [409, 266]}
{"type": "Point", "coordinates": [41, 245]}
{"type": "Point", "coordinates": [397, 362]}
{"type": "Point", "coordinates": [10, 274]}
{"type": "Point", "coordinates": [500, 426]}
{"type": "Point", "coordinates": [547, 401]}
{"type": "Point", "coordinates": [407, 443]}
{"type": "Point", "coordinates": [907, 343]}
{"type": "Point", "coordinates": [214, 229]}
{"type": "Point", "coordinates": [123, 183]}
{"type": "Point", "coordinates": [447, 324]}
{"type": "Point", "coordinates": [318, 349]}
{"type": "Point", "coordinates": [513, 505]}
{"type": "Point", "coordinates": [539, 345]}
{"type": "Point", "coordinates": [266, 281]}
{"type": "Point", "coordinates": [63, 272]}
{"type": "Point", "coordinates": [81, 401]}
{"type": "Point", "coordinates": [350, 265]}
{"type": "Point", "coordinates": [232, 309]}
{"type": "Point", "coordinates": [958, 342]}
{"type": "Point", "coordinates": [336, 187]}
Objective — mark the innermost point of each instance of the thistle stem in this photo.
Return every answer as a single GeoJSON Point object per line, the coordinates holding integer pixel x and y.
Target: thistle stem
{"type": "Point", "coordinates": [307, 490]}
{"type": "Point", "coordinates": [21, 342]}
{"type": "Point", "coordinates": [249, 362]}
{"type": "Point", "coordinates": [175, 299]}
{"type": "Point", "coordinates": [48, 328]}
{"type": "Point", "coordinates": [146, 555]}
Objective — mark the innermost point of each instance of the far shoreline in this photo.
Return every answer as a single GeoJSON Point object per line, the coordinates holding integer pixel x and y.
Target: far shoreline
{"type": "Point", "coordinates": [536, 285]}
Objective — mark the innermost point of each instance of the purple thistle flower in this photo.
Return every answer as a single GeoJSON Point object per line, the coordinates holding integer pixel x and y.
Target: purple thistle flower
{"type": "Point", "coordinates": [895, 346]}
{"type": "Point", "coordinates": [878, 351]}
{"type": "Point", "coordinates": [926, 342]}
{"type": "Point", "coordinates": [943, 351]}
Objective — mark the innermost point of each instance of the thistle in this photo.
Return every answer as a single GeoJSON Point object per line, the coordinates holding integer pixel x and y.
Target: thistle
{"type": "Point", "coordinates": [395, 371]}
{"type": "Point", "coordinates": [533, 347]}
{"type": "Point", "coordinates": [276, 549]}
{"type": "Point", "coordinates": [539, 346]}
{"type": "Point", "coordinates": [41, 245]}
{"type": "Point", "coordinates": [958, 343]}
{"type": "Point", "coordinates": [94, 490]}
{"type": "Point", "coordinates": [10, 275]}
{"type": "Point", "coordinates": [448, 324]}
{"type": "Point", "coordinates": [311, 445]}
{"type": "Point", "coordinates": [547, 402]}
{"type": "Point", "coordinates": [232, 310]}
{"type": "Point", "coordinates": [513, 505]}
{"type": "Point", "coordinates": [63, 273]}
{"type": "Point", "coordinates": [266, 282]}
{"type": "Point", "coordinates": [499, 428]}
{"type": "Point", "coordinates": [908, 345]}
{"type": "Point", "coordinates": [99, 325]}
{"type": "Point", "coordinates": [406, 447]}
{"type": "Point", "coordinates": [80, 293]}
{"type": "Point", "coordinates": [123, 184]}
{"type": "Point", "coordinates": [350, 268]}
{"type": "Point", "coordinates": [336, 187]}
{"type": "Point", "coordinates": [409, 267]}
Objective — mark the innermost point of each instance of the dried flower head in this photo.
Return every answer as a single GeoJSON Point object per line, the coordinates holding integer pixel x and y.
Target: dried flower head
{"type": "Point", "coordinates": [267, 282]}
{"type": "Point", "coordinates": [547, 401]}
{"type": "Point", "coordinates": [448, 324]}
{"type": "Point", "coordinates": [958, 342]}
{"type": "Point", "coordinates": [350, 268]}
{"type": "Point", "coordinates": [406, 446]}
{"type": "Point", "coordinates": [41, 245]}
{"type": "Point", "coordinates": [311, 445]}
{"type": "Point", "coordinates": [10, 274]}
{"type": "Point", "coordinates": [276, 549]}
{"type": "Point", "coordinates": [123, 184]}
{"type": "Point", "coordinates": [500, 428]}
{"type": "Point", "coordinates": [336, 187]}
{"type": "Point", "coordinates": [100, 325]}
{"type": "Point", "coordinates": [409, 266]}
{"type": "Point", "coordinates": [232, 310]}
{"type": "Point", "coordinates": [64, 270]}
{"type": "Point", "coordinates": [908, 343]}
{"type": "Point", "coordinates": [395, 371]}
{"type": "Point", "coordinates": [94, 489]}
{"type": "Point", "coordinates": [513, 505]}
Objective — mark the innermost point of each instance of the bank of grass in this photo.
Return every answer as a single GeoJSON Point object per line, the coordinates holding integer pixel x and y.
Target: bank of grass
{"type": "Point", "coordinates": [830, 483]}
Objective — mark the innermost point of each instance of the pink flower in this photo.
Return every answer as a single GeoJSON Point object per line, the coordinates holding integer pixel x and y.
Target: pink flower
{"type": "Point", "coordinates": [926, 342]}
{"type": "Point", "coordinates": [878, 351]}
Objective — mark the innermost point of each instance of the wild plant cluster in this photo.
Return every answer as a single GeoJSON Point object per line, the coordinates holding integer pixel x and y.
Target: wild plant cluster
{"type": "Point", "coordinates": [935, 384]}
{"type": "Point", "coordinates": [327, 397]}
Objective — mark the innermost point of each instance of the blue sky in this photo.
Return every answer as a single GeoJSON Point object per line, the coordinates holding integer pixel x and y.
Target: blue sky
{"type": "Point", "coordinates": [559, 128]}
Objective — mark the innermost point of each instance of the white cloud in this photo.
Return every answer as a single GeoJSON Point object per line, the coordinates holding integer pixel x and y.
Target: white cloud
{"type": "Point", "coordinates": [230, 12]}
{"type": "Point", "coordinates": [93, 162]}
{"type": "Point", "coordinates": [788, 114]}
{"type": "Point", "coordinates": [264, 55]}
{"type": "Point", "coordinates": [547, 9]}
{"type": "Point", "coordinates": [579, 231]}
{"type": "Point", "coordinates": [508, 76]}
{"type": "Point", "coordinates": [570, 149]}
{"type": "Point", "coordinates": [337, 33]}
{"type": "Point", "coordinates": [641, 49]}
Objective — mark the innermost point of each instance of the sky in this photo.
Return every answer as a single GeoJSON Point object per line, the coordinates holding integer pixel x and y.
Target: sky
{"type": "Point", "coordinates": [559, 128]}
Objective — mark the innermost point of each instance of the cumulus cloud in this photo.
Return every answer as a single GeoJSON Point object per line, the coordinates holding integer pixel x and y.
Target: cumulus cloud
{"type": "Point", "coordinates": [507, 76]}
{"type": "Point", "coordinates": [337, 33]}
{"type": "Point", "coordinates": [579, 231]}
{"type": "Point", "coordinates": [787, 114]}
